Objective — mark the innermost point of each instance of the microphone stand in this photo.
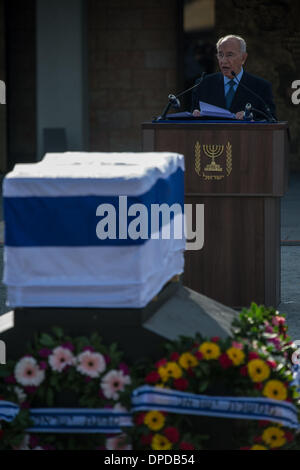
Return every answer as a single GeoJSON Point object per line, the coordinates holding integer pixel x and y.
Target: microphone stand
{"type": "Point", "coordinates": [268, 116]}
{"type": "Point", "coordinates": [174, 101]}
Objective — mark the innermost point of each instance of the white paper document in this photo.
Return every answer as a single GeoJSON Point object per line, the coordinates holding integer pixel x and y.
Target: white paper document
{"type": "Point", "coordinates": [207, 109]}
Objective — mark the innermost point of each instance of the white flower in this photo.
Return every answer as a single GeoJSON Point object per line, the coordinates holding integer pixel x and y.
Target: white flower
{"type": "Point", "coordinates": [60, 358]}
{"type": "Point", "coordinates": [91, 363]}
{"type": "Point", "coordinates": [113, 383]}
{"type": "Point", "coordinates": [28, 373]}
{"type": "Point", "coordinates": [120, 408]}
{"type": "Point", "coordinates": [20, 394]}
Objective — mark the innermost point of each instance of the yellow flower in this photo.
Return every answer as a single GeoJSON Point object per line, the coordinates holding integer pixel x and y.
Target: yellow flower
{"type": "Point", "coordinates": [210, 350]}
{"type": "Point", "coordinates": [274, 437]}
{"type": "Point", "coordinates": [258, 447]}
{"type": "Point", "coordinates": [187, 360]}
{"type": "Point", "coordinates": [170, 370]}
{"type": "Point", "coordinates": [275, 389]}
{"type": "Point", "coordinates": [154, 420]}
{"type": "Point", "coordinates": [236, 355]}
{"type": "Point", "coordinates": [160, 442]}
{"type": "Point", "coordinates": [258, 370]}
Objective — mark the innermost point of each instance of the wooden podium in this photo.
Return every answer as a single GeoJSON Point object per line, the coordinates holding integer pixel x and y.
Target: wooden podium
{"type": "Point", "coordinates": [239, 172]}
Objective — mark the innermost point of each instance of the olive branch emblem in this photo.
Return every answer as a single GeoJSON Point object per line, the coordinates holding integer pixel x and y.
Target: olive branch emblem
{"type": "Point", "coordinates": [228, 158]}
{"type": "Point", "coordinates": [198, 158]}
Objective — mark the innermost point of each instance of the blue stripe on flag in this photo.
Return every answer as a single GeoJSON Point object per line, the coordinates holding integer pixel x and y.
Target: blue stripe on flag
{"type": "Point", "coordinates": [72, 221]}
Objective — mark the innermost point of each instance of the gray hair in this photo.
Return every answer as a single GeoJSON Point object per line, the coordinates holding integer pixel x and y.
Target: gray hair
{"type": "Point", "coordinates": [232, 36]}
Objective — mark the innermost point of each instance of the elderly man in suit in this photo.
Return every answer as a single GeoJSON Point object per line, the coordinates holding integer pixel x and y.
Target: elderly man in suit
{"type": "Point", "coordinates": [223, 89]}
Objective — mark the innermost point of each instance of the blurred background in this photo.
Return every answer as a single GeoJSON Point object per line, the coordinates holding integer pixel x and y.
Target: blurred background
{"type": "Point", "coordinates": [84, 74]}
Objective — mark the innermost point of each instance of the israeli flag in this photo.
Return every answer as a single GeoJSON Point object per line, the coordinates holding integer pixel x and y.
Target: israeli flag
{"type": "Point", "coordinates": [93, 229]}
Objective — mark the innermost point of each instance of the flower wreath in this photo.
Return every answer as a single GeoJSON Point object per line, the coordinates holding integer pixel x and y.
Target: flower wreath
{"type": "Point", "coordinates": [63, 371]}
{"type": "Point", "coordinates": [254, 363]}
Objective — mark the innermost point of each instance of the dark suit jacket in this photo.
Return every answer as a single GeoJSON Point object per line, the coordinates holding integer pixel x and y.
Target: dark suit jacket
{"type": "Point", "coordinates": [211, 91]}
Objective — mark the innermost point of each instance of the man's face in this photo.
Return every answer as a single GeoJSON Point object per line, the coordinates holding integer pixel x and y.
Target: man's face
{"type": "Point", "coordinates": [230, 57]}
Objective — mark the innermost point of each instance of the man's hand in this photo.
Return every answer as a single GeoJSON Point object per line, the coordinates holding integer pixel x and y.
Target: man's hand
{"type": "Point", "coordinates": [196, 113]}
{"type": "Point", "coordinates": [240, 115]}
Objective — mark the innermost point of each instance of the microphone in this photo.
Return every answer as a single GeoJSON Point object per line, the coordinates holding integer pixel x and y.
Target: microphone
{"type": "Point", "coordinates": [175, 102]}
{"type": "Point", "coordinates": [248, 116]}
{"type": "Point", "coordinates": [269, 115]}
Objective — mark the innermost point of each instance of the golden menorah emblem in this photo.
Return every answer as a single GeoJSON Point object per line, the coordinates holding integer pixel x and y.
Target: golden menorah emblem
{"type": "Point", "coordinates": [213, 152]}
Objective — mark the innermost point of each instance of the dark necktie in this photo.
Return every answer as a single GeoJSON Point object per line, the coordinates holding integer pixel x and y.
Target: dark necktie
{"type": "Point", "coordinates": [230, 94]}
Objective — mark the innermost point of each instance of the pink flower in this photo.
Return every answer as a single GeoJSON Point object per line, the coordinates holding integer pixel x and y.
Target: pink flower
{"type": "Point", "coordinates": [276, 321]}
{"type": "Point", "coordinates": [89, 348]}
{"type": "Point", "coordinates": [68, 345]}
{"type": "Point", "coordinates": [118, 443]}
{"type": "Point", "coordinates": [28, 373]}
{"type": "Point", "coordinates": [276, 342]}
{"type": "Point", "coordinates": [269, 329]}
{"type": "Point", "coordinates": [113, 383]}
{"type": "Point", "coordinates": [237, 345]}
{"type": "Point", "coordinates": [60, 358]}
{"type": "Point", "coordinates": [124, 367]}
{"type": "Point", "coordinates": [91, 364]}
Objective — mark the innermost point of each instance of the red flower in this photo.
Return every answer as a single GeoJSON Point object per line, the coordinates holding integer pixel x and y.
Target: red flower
{"type": "Point", "coordinates": [244, 448]}
{"type": "Point", "coordinates": [10, 380]}
{"type": "Point", "coordinates": [199, 355]}
{"type": "Point", "coordinates": [253, 355]}
{"type": "Point", "coordinates": [186, 446]}
{"type": "Point", "coordinates": [225, 361]}
{"type": "Point", "coordinates": [181, 384]}
{"type": "Point", "coordinates": [258, 386]}
{"type": "Point", "coordinates": [289, 436]}
{"type": "Point", "coordinates": [152, 377]}
{"type": "Point", "coordinates": [146, 439]}
{"type": "Point", "coordinates": [263, 423]}
{"type": "Point", "coordinates": [175, 356]}
{"type": "Point", "coordinates": [272, 364]}
{"type": "Point", "coordinates": [139, 418]}
{"type": "Point", "coordinates": [257, 439]}
{"type": "Point", "coordinates": [160, 363]}
{"type": "Point", "coordinates": [172, 434]}
{"type": "Point", "coordinates": [244, 371]}
{"type": "Point", "coordinates": [190, 372]}
{"type": "Point", "coordinates": [195, 345]}
{"type": "Point", "coordinates": [215, 339]}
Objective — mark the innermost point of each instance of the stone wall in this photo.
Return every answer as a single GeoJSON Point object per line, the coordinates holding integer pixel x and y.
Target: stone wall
{"type": "Point", "coordinates": [3, 78]}
{"type": "Point", "coordinates": [272, 33]}
{"type": "Point", "coordinates": [132, 60]}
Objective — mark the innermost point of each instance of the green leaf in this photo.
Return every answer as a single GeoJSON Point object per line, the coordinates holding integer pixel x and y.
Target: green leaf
{"type": "Point", "coordinates": [47, 340]}
{"type": "Point", "coordinates": [58, 331]}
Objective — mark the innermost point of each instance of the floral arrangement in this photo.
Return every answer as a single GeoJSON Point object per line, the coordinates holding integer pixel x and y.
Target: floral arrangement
{"type": "Point", "coordinates": [255, 362]}
{"type": "Point", "coordinates": [60, 371]}
{"type": "Point", "coordinates": [70, 372]}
